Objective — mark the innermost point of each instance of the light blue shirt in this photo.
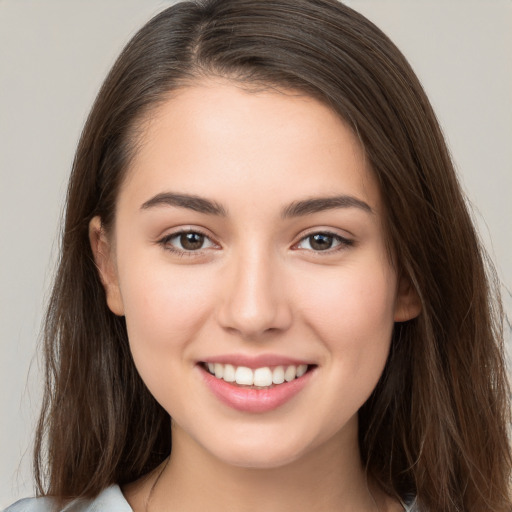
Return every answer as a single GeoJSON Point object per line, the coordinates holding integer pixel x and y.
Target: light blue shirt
{"type": "Point", "coordinates": [110, 499]}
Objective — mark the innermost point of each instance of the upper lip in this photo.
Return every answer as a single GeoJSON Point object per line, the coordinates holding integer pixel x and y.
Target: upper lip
{"type": "Point", "coordinates": [253, 362]}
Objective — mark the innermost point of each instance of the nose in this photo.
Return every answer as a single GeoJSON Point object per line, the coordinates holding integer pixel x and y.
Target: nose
{"type": "Point", "coordinates": [254, 300]}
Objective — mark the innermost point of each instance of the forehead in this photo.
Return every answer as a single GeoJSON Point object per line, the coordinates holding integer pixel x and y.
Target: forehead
{"type": "Point", "coordinates": [214, 138]}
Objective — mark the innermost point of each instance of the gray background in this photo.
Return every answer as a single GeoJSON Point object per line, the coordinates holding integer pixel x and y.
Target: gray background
{"type": "Point", "coordinates": [53, 57]}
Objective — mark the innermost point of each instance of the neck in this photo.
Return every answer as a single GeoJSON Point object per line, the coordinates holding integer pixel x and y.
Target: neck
{"type": "Point", "coordinates": [328, 478]}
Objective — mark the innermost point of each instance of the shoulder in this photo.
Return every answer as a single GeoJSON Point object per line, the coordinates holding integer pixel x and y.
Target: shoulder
{"type": "Point", "coordinates": [110, 499]}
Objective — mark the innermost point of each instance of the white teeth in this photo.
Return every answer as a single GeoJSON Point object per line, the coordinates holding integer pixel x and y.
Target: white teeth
{"type": "Point", "coordinates": [260, 377]}
{"type": "Point", "coordinates": [278, 375]}
{"type": "Point", "coordinates": [301, 369]}
{"type": "Point", "coordinates": [244, 376]}
{"type": "Point", "coordinates": [229, 373]}
{"type": "Point", "coordinates": [290, 373]}
{"type": "Point", "coordinates": [219, 370]}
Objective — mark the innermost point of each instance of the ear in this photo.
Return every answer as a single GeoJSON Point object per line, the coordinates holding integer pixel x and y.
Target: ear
{"type": "Point", "coordinates": [104, 259]}
{"type": "Point", "coordinates": [408, 303]}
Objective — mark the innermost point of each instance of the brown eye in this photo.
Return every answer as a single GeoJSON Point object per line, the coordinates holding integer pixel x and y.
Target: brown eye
{"type": "Point", "coordinates": [186, 242]}
{"type": "Point", "coordinates": [191, 241]}
{"type": "Point", "coordinates": [319, 242]}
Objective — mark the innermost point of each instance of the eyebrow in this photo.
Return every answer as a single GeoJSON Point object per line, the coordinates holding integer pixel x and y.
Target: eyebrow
{"type": "Point", "coordinates": [191, 202]}
{"type": "Point", "coordinates": [319, 204]}
{"type": "Point", "coordinates": [295, 209]}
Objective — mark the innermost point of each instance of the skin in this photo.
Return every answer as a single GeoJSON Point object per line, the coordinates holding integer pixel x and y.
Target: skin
{"type": "Point", "coordinates": [257, 286]}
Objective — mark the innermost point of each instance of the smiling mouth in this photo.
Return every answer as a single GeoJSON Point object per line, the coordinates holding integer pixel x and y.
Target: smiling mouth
{"type": "Point", "coordinates": [266, 377]}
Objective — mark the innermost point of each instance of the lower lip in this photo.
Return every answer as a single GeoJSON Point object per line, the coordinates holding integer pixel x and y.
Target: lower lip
{"type": "Point", "coordinates": [251, 399]}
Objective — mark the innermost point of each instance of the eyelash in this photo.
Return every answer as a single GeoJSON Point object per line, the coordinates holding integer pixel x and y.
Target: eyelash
{"type": "Point", "coordinates": [165, 242]}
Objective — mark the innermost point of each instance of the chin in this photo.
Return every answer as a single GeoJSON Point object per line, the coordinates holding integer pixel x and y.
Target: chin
{"type": "Point", "coordinates": [268, 450]}
{"type": "Point", "coordinates": [259, 458]}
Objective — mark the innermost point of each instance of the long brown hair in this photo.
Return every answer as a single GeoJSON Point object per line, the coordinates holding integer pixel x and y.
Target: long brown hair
{"type": "Point", "coordinates": [437, 424]}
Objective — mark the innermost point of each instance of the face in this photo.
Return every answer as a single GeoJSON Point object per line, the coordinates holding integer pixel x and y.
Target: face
{"type": "Point", "coordinates": [248, 243]}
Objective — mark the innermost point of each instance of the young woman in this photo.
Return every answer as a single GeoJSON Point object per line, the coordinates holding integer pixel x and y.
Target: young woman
{"type": "Point", "coordinates": [270, 293]}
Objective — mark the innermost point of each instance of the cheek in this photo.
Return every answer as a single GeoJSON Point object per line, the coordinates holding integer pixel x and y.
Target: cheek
{"type": "Point", "coordinates": [349, 309]}
{"type": "Point", "coordinates": [164, 307]}
{"type": "Point", "coordinates": [353, 310]}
